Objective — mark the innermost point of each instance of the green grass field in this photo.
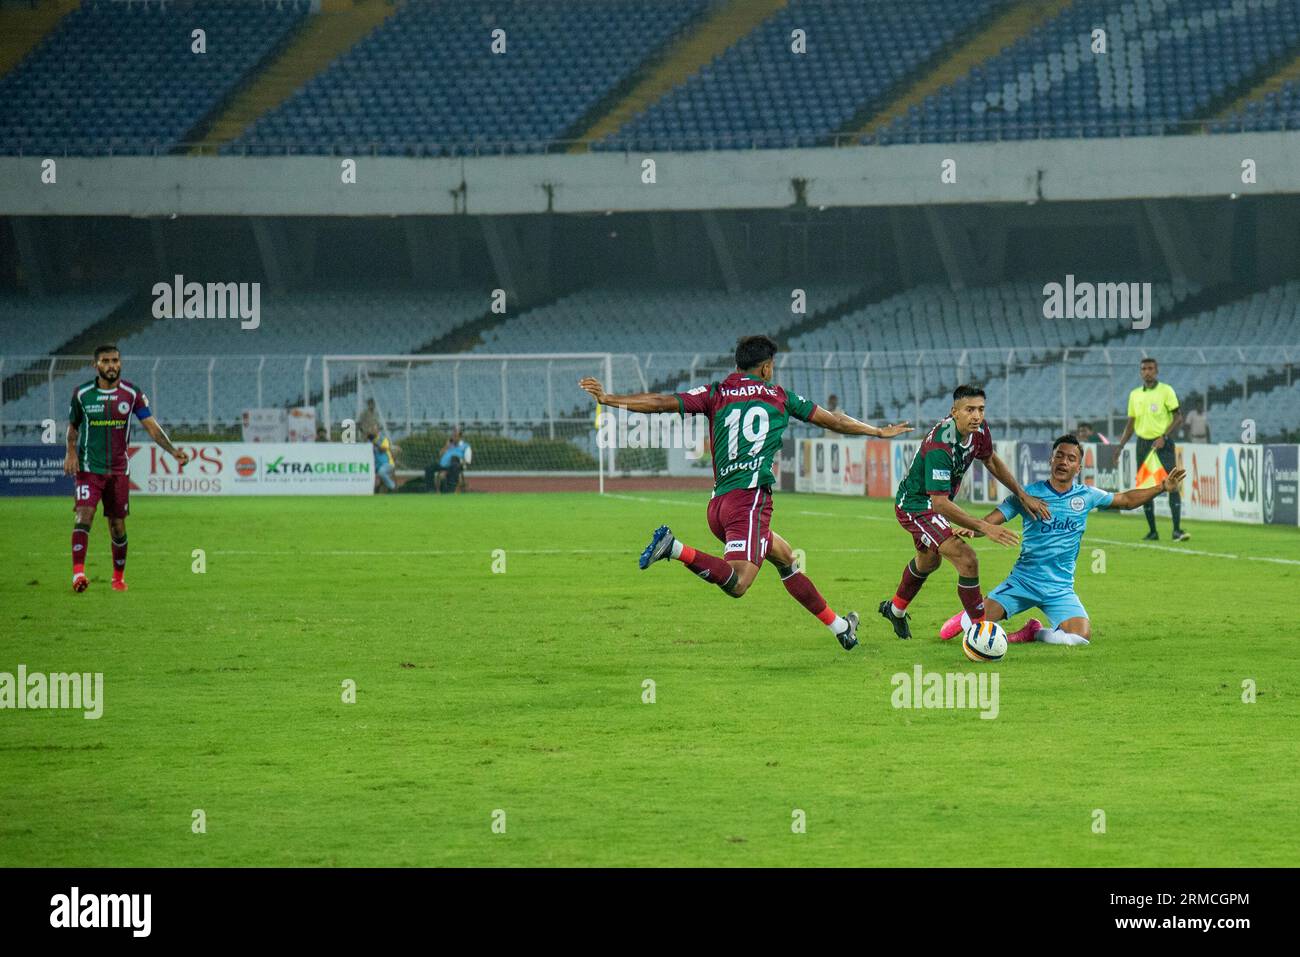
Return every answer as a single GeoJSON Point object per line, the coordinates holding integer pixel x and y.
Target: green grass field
{"type": "Point", "coordinates": [523, 692]}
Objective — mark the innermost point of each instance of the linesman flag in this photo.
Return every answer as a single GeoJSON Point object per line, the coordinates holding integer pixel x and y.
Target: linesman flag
{"type": "Point", "coordinates": [1151, 472]}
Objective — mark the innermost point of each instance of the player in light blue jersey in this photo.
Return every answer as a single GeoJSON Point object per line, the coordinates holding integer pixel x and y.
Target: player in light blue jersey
{"type": "Point", "coordinates": [1043, 576]}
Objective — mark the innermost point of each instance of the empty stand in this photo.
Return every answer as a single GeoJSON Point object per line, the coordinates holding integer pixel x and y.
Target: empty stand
{"type": "Point", "coordinates": [123, 78]}
{"type": "Point", "coordinates": [294, 327]}
{"type": "Point", "coordinates": [761, 93]}
{"type": "Point", "coordinates": [428, 83]}
{"type": "Point", "coordinates": [1165, 63]}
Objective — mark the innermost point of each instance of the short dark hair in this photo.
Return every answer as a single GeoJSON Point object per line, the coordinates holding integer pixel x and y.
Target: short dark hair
{"type": "Point", "coordinates": [1150, 360]}
{"type": "Point", "coordinates": [107, 347]}
{"type": "Point", "coordinates": [967, 392]}
{"type": "Point", "coordinates": [1068, 440]}
{"type": "Point", "coordinates": [1083, 425]}
{"type": "Point", "coordinates": [752, 351]}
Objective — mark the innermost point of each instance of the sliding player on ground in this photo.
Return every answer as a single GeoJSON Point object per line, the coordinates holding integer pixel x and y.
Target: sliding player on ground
{"type": "Point", "coordinates": [99, 431]}
{"type": "Point", "coordinates": [924, 506]}
{"type": "Point", "coordinates": [1043, 576]}
{"type": "Point", "coordinates": [747, 418]}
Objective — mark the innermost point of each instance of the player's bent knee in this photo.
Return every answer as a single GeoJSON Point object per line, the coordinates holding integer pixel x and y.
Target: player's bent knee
{"type": "Point", "coordinates": [780, 556]}
{"type": "Point", "coordinates": [742, 576]}
{"type": "Point", "coordinates": [928, 560]}
{"type": "Point", "coordinates": [1078, 626]}
{"type": "Point", "coordinates": [736, 589]}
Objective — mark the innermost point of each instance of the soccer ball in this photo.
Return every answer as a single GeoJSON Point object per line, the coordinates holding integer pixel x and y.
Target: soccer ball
{"type": "Point", "coordinates": [984, 641]}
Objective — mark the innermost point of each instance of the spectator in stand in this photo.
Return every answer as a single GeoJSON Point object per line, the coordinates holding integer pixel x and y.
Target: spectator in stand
{"type": "Point", "coordinates": [368, 421]}
{"type": "Point", "coordinates": [452, 459]}
{"type": "Point", "coordinates": [1196, 427]}
{"type": "Point", "coordinates": [321, 434]}
{"type": "Point", "coordinates": [385, 460]}
{"type": "Point", "coordinates": [832, 406]}
{"type": "Point", "coordinates": [1084, 432]}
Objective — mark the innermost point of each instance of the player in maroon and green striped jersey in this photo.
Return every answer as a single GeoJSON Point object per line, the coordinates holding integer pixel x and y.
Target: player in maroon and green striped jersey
{"type": "Point", "coordinates": [924, 506]}
{"type": "Point", "coordinates": [99, 431]}
{"type": "Point", "coordinates": [747, 417]}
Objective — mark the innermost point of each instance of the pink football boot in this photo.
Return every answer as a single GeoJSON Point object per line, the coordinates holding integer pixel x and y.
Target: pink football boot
{"type": "Point", "coordinates": [952, 627]}
{"type": "Point", "coordinates": [1032, 627]}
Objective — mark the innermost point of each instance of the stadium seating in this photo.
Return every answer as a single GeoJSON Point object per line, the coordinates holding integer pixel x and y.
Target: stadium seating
{"type": "Point", "coordinates": [1276, 414]}
{"type": "Point", "coordinates": [968, 335]}
{"type": "Point", "coordinates": [931, 338]}
{"type": "Point", "coordinates": [427, 83]}
{"type": "Point", "coordinates": [119, 78]}
{"type": "Point", "coordinates": [294, 327]}
{"type": "Point", "coordinates": [657, 331]}
{"type": "Point", "coordinates": [39, 325]}
{"type": "Point", "coordinates": [1267, 325]}
{"type": "Point", "coordinates": [1277, 110]}
{"type": "Point", "coordinates": [1166, 62]}
{"type": "Point", "coordinates": [1033, 391]}
{"type": "Point", "coordinates": [891, 360]}
{"type": "Point", "coordinates": [760, 93]}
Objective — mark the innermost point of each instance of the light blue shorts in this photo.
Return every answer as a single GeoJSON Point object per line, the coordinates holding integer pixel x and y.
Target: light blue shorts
{"type": "Point", "coordinates": [1016, 595]}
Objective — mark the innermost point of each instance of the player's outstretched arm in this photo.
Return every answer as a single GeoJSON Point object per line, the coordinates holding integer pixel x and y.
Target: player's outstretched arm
{"type": "Point", "coordinates": [158, 435]}
{"type": "Point", "coordinates": [633, 402]}
{"type": "Point", "coordinates": [1140, 496]}
{"type": "Point", "coordinates": [847, 425]}
{"type": "Point", "coordinates": [1034, 506]}
{"type": "Point", "coordinates": [959, 516]}
{"type": "Point", "coordinates": [994, 517]}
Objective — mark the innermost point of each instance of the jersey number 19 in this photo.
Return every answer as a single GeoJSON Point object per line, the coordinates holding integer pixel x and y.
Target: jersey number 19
{"type": "Point", "coordinates": [754, 427]}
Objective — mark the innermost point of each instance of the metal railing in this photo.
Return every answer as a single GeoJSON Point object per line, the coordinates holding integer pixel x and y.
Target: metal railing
{"type": "Point", "coordinates": [640, 143]}
{"type": "Point", "coordinates": [197, 391]}
{"type": "Point", "coordinates": [1029, 387]}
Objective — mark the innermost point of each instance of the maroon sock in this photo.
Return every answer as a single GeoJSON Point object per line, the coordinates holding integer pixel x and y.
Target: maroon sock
{"type": "Point", "coordinates": [80, 543]}
{"type": "Point", "coordinates": [802, 589]}
{"type": "Point", "coordinates": [972, 599]}
{"type": "Point", "coordinates": [909, 586]}
{"type": "Point", "coordinates": [119, 557]}
{"type": "Point", "coordinates": [708, 567]}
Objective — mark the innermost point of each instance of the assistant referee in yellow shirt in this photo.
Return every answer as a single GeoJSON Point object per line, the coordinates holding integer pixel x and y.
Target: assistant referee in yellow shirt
{"type": "Point", "coordinates": [1153, 414]}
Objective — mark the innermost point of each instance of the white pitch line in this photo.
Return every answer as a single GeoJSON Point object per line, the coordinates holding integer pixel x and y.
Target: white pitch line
{"type": "Point", "coordinates": [1104, 541]}
{"type": "Point", "coordinates": [1195, 551]}
{"type": "Point", "coordinates": [865, 518]}
{"type": "Point", "coordinates": [346, 553]}
{"type": "Point", "coordinates": [1162, 548]}
{"type": "Point", "coordinates": [654, 501]}
{"type": "Point", "coordinates": [356, 553]}
{"type": "Point", "coordinates": [671, 501]}
{"type": "Point", "coordinates": [349, 553]}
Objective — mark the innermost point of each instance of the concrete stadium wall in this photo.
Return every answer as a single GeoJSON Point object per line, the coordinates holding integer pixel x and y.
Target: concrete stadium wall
{"type": "Point", "coordinates": [905, 175]}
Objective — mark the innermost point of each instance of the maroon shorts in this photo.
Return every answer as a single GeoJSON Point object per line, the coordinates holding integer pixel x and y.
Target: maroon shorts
{"type": "Point", "coordinates": [740, 519]}
{"type": "Point", "coordinates": [114, 490]}
{"type": "Point", "coordinates": [929, 529]}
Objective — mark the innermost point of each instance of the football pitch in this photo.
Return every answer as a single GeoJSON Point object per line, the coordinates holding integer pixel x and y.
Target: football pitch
{"type": "Point", "coordinates": [501, 647]}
